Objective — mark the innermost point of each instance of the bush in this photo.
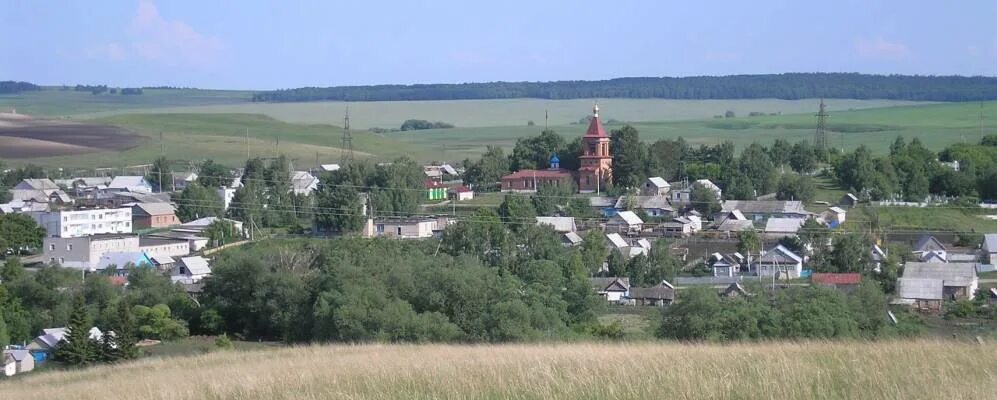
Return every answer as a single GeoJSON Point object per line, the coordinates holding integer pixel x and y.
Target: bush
{"type": "Point", "coordinates": [222, 342]}
{"type": "Point", "coordinates": [613, 331]}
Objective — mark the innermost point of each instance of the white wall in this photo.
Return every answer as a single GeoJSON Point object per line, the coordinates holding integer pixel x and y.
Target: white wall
{"type": "Point", "coordinates": [78, 223]}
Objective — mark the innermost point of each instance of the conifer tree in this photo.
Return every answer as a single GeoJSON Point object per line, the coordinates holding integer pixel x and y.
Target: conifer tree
{"type": "Point", "coordinates": [77, 348]}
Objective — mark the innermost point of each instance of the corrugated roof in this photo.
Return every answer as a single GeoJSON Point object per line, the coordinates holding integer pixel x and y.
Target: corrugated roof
{"type": "Point", "coordinates": [952, 274]}
{"type": "Point", "coordinates": [155, 208]}
{"type": "Point", "coordinates": [662, 291]}
{"type": "Point", "coordinates": [920, 288]}
{"type": "Point", "coordinates": [126, 182]}
{"type": "Point", "coordinates": [120, 259]}
{"type": "Point", "coordinates": [783, 225]}
{"type": "Point", "coordinates": [616, 240]}
{"type": "Point", "coordinates": [18, 355]}
{"type": "Point", "coordinates": [573, 237]}
{"type": "Point", "coordinates": [560, 224]}
{"type": "Point", "coordinates": [658, 182]}
{"type": "Point", "coordinates": [765, 206]}
{"type": "Point", "coordinates": [780, 254]}
{"type": "Point", "coordinates": [197, 265]}
{"type": "Point", "coordinates": [990, 242]}
{"type": "Point", "coordinates": [601, 283]}
{"type": "Point", "coordinates": [539, 173]}
{"type": "Point", "coordinates": [927, 243]}
{"type": "Point", "coordinates": [629, 217]}
{"type": "Point", "coordinates": [836, 279]}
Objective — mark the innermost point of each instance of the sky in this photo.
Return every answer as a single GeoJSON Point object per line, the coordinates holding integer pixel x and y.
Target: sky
{"type": "Point", "coordinates": [249, 44]}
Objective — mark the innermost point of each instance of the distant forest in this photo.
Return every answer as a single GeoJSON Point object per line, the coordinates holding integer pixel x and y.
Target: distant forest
{"type": "Point", "coordinates": [788, 86]}
{"type": "Point", "coordinates": [10, 87]}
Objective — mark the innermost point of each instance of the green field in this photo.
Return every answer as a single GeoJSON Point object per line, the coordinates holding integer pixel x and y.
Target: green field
{"type": "Point", "coordinates": [199, 124]}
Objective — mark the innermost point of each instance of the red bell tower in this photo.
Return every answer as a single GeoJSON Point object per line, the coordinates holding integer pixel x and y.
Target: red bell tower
{"type": "Point", "coordinates": [596, 168]}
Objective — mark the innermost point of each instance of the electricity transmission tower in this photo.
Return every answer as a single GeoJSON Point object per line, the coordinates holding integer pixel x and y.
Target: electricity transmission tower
{"type": "Point", "coordinates": [820, 137]}
{"type": "Point", "coordinates": [347, 150]}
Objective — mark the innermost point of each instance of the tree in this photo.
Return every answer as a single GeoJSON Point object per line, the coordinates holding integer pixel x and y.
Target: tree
{"type": "Point", "coordinates": [485, 173]}
{"type": "Point", "coordinates": [748, 242]}
{"type": "Point", "coordinates": [161, 169]}
{"type": "Point", "coordinates": [77, 349]}
{"type": "Point", "coordinates": [803, 158]}
{"type": "Point", "coordinates": [704, 200]}
{"type": "Point", "coordinates": [756, 165]}
{"type": "Point", "coordinates": [213, 175]}
{"type": "Point", "coordinates": [197, 201]}
{"type": "Point", "coordinates": [119, 340]}
{"type": "Point", "coordinates": [780, 152]}
{"type": "Point", "coordinates": [550, 197]}
{"type": "Point", "coordinates": [247, 203]}
{"type": "Point", "coordinates": [222, 232]}
{"type": "Point", "coordinates": [155, 323]}
{"type": "Point", "coordinates": [594, 251]}
{"type": "Point", "coordinates": [739, 187]}
{"type": "Point", "coordinates": [535, 152]}
{"type": "Point", "coordinates": [19, 232]}
{"type": "Point", "coordinates": [4, 335]}
{"type": "Point", "coordinates": [629, 157]}
{"type": "Point", "coordinates": [340, 208]}
{"type": "Point", "coordinates": [850, 254]}
{"type": "Point", "coordinates": [517, 211]}
{"type": "Point", "coordinates": [665, 265]}
{"type": "Point", "coordinates": [669, 158]}
{"type": "Point", "coordinates": [12, 270]}
{"type": "Point", "coordinates": [796, 187]}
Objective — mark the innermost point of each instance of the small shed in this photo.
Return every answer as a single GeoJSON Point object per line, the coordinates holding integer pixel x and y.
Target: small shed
{"type": "Point", "coordinates": [611, 288]}
{"type": "Point", "coordinates": [22, 360]}
{"type": "Point", "coordinates": [625, 222]}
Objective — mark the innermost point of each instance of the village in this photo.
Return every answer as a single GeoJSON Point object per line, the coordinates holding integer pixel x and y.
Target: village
{"type": "Point", "coordinates": [107, 226]}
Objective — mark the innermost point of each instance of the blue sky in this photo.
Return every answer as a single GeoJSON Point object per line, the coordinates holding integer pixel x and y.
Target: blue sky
{"type": "Point", "coordinates": [262, 45]}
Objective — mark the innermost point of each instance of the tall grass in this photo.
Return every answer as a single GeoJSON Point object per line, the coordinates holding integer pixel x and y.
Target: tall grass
{"type": "Point", "coordinates": [815, 370]}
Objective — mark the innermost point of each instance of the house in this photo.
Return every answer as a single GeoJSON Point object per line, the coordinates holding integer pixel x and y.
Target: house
{"type": "Point", "coordinates": [190, 270]}
{"type": "Point", "coordinates": [781, 227]}
{"type": "Point", "coordinates": [129, 184]}
{"type": "Point", "coordinates": [439, 172]}
{"type": "Point", "coordinates": [435, 190]}
{"type": "Point", "coordinates": [163, 263]}
{"type": "Point", "coordinates": [560, 224]}
{"type": "Point", "coordinates": [199, 225]}
{"type": "Point", "coordinates": [934, 256]}
{"type": "Point", "coordinates": [116, 263]}
{"type": "Point", "coordinates": [627, 249]}
{"type": "Point", "coordinates": [23, 207]}
{"type": "Point", "coordinates": [226, 194]}
{"type": "Point", "coordinates": [571, 239]}
{"type": "Point", "coordinates": [625, 222]}
{"type": "Point", "coordinates": [989, 248]}
{"type": "Point", "coordinates": [39, 191]}
{"type": "Point", "coordinates": [928, 244]}
{"type": "Point", "coordinates": [780, 262]}
{"type": "Point", "coordinates": [303, 183]}
{"type": "Point", "coordinates": [659, 295]}
{"type": "Point", "coordinates": [21, 360]}
{"type": "Point", "coordinates": [404, 228]}
{"type": "Point", "coordinates": [734, 221]}
{"type": "Point", "coordinates": [726, 265]}
{"type": "Point", "coordinates": [84, 222]}
{"type": "Point", "coordinates": [527, 180]}
{"type": "Point", "coordinates": [195, 240]}
{"type": "Point", "coordinates": [43, 345]}
{"type": "Point", "coordinates": [761, 210]}
{"type": "Point", "coordinates": [953, 280]}
{"type": "Point", "coordinates": [85, 252]}
{"type": "Point", "coordinates": [461, 193]}
{"type": "Point", "coordinates": [833, 216]}
{"type": "Point", "coordinates": [843, 282]}
{"type": "Point", "coordinates": [611, 288]}
{"type": "Point", "coordinates": [734, 290]}
{"type": "Point", "coordinates": [153, 215]}
{"type": "Point", "coordinates": [685, 195]}
{"type": "Point", "coordinates": [183, 179]}
{"type": "Point", "coordinates": [163, 247]}
{"type": "Point", "coordinates": [848, 200]}
{"type": "Point", "coordinates": [655, 186]}
{"type": "Point", "coordinates": [921, 294]}
{"type": "Point", "coordinates": [653, 206]}
{"type": "Point", "coordinates": [677, 227]}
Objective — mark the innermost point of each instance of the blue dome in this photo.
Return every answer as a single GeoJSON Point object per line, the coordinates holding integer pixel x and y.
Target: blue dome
{"type": "Point", "coordinates": [554, 159]}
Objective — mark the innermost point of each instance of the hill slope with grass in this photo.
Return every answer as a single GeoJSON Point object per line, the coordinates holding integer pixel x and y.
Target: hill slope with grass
{"type": "Point", "coordinates": [819, 370]}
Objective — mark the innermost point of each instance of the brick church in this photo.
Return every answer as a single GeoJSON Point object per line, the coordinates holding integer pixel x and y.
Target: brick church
{"type": "Point", "coordinates": [594, 172]}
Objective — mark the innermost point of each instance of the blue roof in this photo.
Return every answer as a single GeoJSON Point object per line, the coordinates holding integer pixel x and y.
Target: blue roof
{"type": "Point", "coordinates": [121, 259]}
{"type": "Point", "coordinates": [554, 159]}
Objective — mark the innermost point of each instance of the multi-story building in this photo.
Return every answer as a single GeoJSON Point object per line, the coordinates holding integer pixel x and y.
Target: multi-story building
{"type": "Point", "coordinates": [85, 252]}
{"type": "Point", "coordinates": [85, 222]}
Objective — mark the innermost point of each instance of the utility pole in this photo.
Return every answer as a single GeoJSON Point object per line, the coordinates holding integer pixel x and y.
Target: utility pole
{"type": "Point", "coordinates": [347, 147]}
{"type": "Point", "coordinates": [820, 136]}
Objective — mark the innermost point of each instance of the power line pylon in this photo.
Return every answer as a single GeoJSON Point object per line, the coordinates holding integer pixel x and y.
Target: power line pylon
{"type": "Point", "coordinates": [820, 137]}
{"type": "Point", "coordinates": [347, 150]}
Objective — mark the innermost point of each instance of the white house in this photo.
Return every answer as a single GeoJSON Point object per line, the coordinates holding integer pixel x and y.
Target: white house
{"type": "Point", "coordinates": [303, 183]}
{"type": "Point", "coordinates": [85, 252]}
{"type": "Point", "coordinates": [779, 262]}
{"type": "Point", "coordinates": [85, 222]}
{"type": "Point", "coordinates": [190, 270]}
{"type": "Point", "coordinates": [726, 266]}
{"type": "Point", "coordinates": [226, 194]}
{"type": "Point", "coordinates": [404, 228]}
{"type": "Point", "coordinates": [461, 193]}
{"type": "Point", "coordinates": [990, 248]}
{"type": "Point", "coordinates": [20, 359]}
{"type": "Point", "coordinates": [655, 186]}
{"type": "Point", "coordinates": [560, 224]}
{"type": "Point", "coordinates": [129, 184]}
{"type": "Point", "coordinates": [612, 289]}
{"type": "Point", "coordinates": [626, 222]}
{"type": "Point", "coordinates": [198, 225]}
{"type": "Point", "coordinates": [628, 249]}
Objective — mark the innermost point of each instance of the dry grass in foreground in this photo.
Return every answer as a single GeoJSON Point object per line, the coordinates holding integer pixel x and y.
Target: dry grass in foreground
{"type": "Point", "coordinates": [894, 370]}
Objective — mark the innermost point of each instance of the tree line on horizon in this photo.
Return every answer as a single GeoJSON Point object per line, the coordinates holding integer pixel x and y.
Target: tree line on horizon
{"type": "Point", "coordinates": [790, 86]}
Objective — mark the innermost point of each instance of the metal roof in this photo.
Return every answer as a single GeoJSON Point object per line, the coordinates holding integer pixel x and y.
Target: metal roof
{"type": "Point", "coordinates": [920, 288]}
{"type": "Point", "coordinates": [560, 224]}
{"type": "Point", "coordinates": [658, 182]}
{"type": "Point", "coordinates": [990, 242]}
{"type": "Point", "coordinates": [616, 240]}
{"type": "Point", "coordinates": [765, 206]}
{"type": "Point", "coordinates": [951, 274]}
{"type": "Point", "coordinates": [629, 217]}
{"type": "Point", "coordinates": [197, 265]}
{"type": "Point", "coordinates": [784, 225]}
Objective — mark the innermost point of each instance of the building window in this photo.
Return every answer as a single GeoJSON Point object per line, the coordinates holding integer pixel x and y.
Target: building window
{"type": "Point", "coordinates": [51, 246]}
{"type": "Point", "coordinates": [380, 228]}
{"type": "Point", "coordinates": [69, 247]}
{"type": "Point", "coordinates": [399, 230]}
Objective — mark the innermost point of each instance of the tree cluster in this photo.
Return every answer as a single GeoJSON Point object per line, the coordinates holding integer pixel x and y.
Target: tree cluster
{"type": "Point", "coordinates": [420, 124]}
{"type": "Point", "coordinates": [764, 86]}
{"type": "Point", "coordinates": [392, 189]}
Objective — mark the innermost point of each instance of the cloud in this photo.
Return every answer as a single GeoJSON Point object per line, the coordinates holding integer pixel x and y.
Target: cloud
{"type": "Point", "coordinates": [172, 43]}
{"type": "Point", "coordinates": [880, 48]}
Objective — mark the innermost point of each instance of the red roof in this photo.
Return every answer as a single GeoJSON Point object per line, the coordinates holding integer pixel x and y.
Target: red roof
{"type": "Point", "coordinates": [118, 280]}
{"type": "Point", "coordinates": [431, 184]}
{"type": "Point", "coordinates": [461, 189]}
{"type": "Point", "coordinates": [595, 128]}
{"type": "Point", "coordinates": [539, 173]}
{"type": "Point", "coordinates": [836, 279]}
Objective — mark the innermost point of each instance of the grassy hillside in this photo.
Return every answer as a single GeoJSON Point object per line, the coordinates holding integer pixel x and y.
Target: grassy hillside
{"type": "Point", "coordinates": [222, 137]}
{"type": "Point", "coordinates": [507, 112]}
{"type": "Point", "coordinates": [905, 370]}
{"type": "Point", "coordinates": [52, 102]}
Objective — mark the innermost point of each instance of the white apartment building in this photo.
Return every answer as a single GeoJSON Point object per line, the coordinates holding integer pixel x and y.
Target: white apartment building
{"type": "Point", "coordinates": [85, 252]}
{"type": "Point", "coordinates": [78, 223]}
